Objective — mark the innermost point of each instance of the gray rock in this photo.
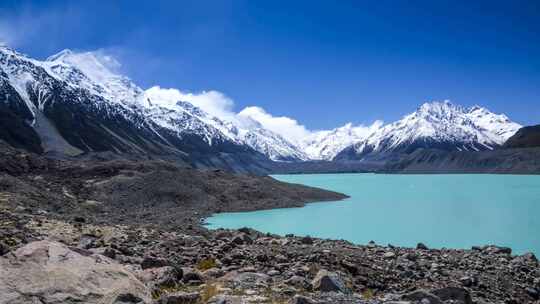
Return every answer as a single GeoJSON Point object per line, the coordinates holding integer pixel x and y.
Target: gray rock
{"type": "Point", "coordinates": [192, 276]}
{"type": "Point", "coordinates": [247, 279]}
{"type": "Point", "coordinates": [87, 241]}
{"type": "Point", "coordinates": [466, 281]}
{"type": "Point", "coordinates": [422, 296]}
{"type": "Point", "coordinates": [297, 281]}
{"type": "Point", "coordinates": [300, 300]}
{"type": "Point", "coordinates": [529, 256]}
{"type": "Point", "coordinates": [456, 294]}
{"type": "Point", "coordinates": [51, 272]}
{"type": "Point", "coordinates": [157, 278]}
{"type": "Point", "coordinates": [421, 246]}
{"type": "Point", "coordinates": [389, 255]}
{"type": "Point", "coordinates": [106, 251]}
{"type": "Point", "coordinates": [153, 262]}
{"type": "Point", "coordinates": [3, 248]}
{"type": "Point", "coordinates": [326, 281]}
{"type": "Point", "coordinates": [241, 239]}
{"type": "Point", "coordinates": [226, 299]}
{"type": "Point", "coordinates": [180, 298]}
{"type": "Point", "coordinates": [307, 240]}
{"type": "Point", "coordinates": [533, 293]}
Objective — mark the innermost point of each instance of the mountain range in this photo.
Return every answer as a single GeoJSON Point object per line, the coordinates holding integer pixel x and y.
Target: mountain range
{"type": "Point", "coordinates": [74, 104]}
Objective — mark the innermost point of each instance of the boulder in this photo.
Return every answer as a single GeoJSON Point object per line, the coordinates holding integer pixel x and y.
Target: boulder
{"type": "Point", "coordinates": [87, 241]}
{"type": "Point", "coordinates": [241, 239]}
{"type": "Point", "coordinates": [421, 246]}
{"type": "Point", "coordinates": [3, 248]}
{"type": "Point", "coordinates": [422, 296]}
{"type": "Point", "coordinates": [327, 281]}
{"type": "Point", "coordinates": [51, 272]}
{"type": "Point", "coordinates": [192, 276]}
{"type": "Point", "coordinates": [298, 299]}
{"type": "Point", "coordinates": [457, 295]}
{"type": "Point", "coordinates": [307, 240]}
{"type": "Point", "coordinates": [153, 262]}
{"type": "Point", "coordinates": [162, 277]}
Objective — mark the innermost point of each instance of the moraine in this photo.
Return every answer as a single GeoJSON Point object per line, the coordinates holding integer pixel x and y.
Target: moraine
{"type": "Point", "coordinates": [452, 211]}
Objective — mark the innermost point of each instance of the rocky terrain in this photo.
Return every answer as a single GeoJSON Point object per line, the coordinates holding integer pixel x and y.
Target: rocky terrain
{"type": "Point", "coordinates": [130, 232]}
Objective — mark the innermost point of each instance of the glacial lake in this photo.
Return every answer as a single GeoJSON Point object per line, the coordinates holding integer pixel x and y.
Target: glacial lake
{"type": "Point", "coordinates": [447, 210]}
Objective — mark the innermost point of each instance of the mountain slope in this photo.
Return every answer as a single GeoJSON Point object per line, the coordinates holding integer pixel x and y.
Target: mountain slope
{"type": "Point", "coordinates": [438, 125]}
{"type": "Point", "coordinates": [511, 160]}
{"type": "Point", "coordinates": [526, 137]}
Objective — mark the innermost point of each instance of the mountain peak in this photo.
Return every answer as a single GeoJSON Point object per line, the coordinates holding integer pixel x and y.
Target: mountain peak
{"type": "Point", "coordinates": [60, 55]}
{"type": "Point", "coordinates": [439, 106]}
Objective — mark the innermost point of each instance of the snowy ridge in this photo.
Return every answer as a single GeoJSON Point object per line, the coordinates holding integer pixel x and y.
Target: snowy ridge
{"type": "Point", "coordinates": [325, 145]}
{"type": "Point", "coordinates": [92, 71]}
{"type": "Point", "coordinates": [440, 125]}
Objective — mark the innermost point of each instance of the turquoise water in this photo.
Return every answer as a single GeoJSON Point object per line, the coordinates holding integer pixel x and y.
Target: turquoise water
{"type": "Point", "coordinates": [453, 211]}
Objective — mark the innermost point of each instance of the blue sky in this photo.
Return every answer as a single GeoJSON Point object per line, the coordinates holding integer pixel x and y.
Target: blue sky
{"type": "Point", "coordinates": [324, 63]}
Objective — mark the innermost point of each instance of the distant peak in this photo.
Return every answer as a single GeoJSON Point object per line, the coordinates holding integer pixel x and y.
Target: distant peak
{"type": "Point", "coordinates": [439, 106]}
{"type": "Point", "coordinates": [346, 126]}
{"type": "Point", "coordinates": [60, 55]}
{"type": "Point", "coordinates": [476, 108]}
{"type": "Point", "coordinates": [437, 103]}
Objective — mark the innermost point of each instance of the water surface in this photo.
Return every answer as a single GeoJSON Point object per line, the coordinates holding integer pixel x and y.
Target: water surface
{"type": "Point", "coordinates": [453, 211]}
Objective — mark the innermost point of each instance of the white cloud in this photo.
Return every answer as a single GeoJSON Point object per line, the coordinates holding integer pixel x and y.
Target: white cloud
{"type": "Point", "coordinates": [221, 106]}
{"type": "Point", "coordinates": [283, 125]}
{"type": "Point", "coordinates": [213, 102]}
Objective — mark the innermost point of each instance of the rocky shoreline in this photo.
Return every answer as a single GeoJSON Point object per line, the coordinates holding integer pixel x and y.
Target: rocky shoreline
{"type": "Point", "coordinates": [130, 232]}
{"type": "Point", "coordinates": [246, 266]}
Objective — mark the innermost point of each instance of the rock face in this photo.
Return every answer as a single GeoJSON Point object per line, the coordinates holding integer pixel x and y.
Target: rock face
{"type": "Point", "coordinates": [50, 272]}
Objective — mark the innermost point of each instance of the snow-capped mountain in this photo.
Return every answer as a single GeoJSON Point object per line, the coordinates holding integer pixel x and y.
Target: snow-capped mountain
{"type": "Point", "coordinates": [172, 122]}
{"type": "Point", "coordinates": [440, 125]}
{"type": "Point", "coordinates": [271, 144]}
{"type": "Point", "coordinates": [178, 116]}
{"type": "Point", "coordinates": [77, 102]}
{"type": "Point", "coordinates": [325, 145]}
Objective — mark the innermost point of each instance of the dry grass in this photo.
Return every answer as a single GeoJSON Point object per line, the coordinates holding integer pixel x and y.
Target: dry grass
{"type": "Point", "coordinates": [368, 294]}
{"type": "Point", "coordinates": [206, 264]}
